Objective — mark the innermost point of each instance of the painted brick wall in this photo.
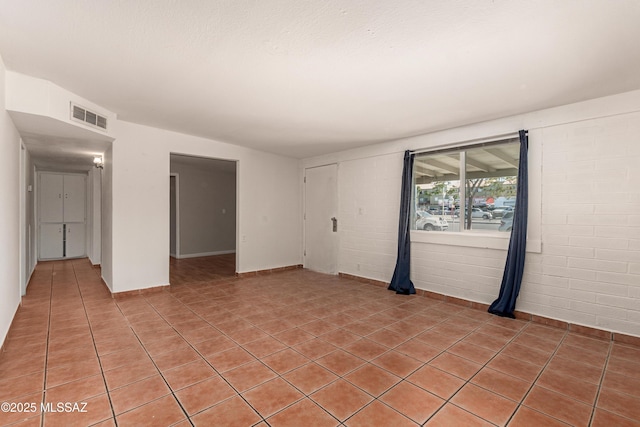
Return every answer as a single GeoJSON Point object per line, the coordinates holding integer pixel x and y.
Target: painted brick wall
{"type": "Point", "coordinates": [369, 197]}
{"type": "Point", "coordinates": [589, 269]}
{"type": "Point", "coordinates": [469, 273]}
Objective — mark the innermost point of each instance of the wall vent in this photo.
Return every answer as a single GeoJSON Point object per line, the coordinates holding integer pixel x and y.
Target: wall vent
{"type": "Point", "coordinates": [81, 114]}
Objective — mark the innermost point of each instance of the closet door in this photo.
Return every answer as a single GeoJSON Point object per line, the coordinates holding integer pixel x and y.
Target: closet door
{"type": "Point", "coordinates": [51, 241]}
{"type": "Point", "coordinates": [62, 206]}
{"type": "Point", "coordinates": [74, 240]}
{"type": "Point", "coordinates": [74, 198]}
{"type": "Point", "coordinates": [51, 197]}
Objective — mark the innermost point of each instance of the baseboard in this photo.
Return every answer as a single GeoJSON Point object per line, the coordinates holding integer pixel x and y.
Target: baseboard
{"type": "Point", "coordinates": [6, 337]}
{"type": "Point", "coordinates": [29, 279]}
{"type": "Point", "coordinates": [268, 271]}
{"type": "Point", "coordinates": [364, 280]}
{"type": "Point", "coordinates": [572, 327]}
{"type": "Point", "coordinates": [137, 292]}
{"type": "Point", "coordinates": [202, 254]}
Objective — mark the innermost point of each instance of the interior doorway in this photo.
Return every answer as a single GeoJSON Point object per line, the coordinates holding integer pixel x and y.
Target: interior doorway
{"type": "Point", "coordinates": [203, 219]}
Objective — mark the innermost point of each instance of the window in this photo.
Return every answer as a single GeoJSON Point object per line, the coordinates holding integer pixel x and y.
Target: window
{"type": "Point", "coordinates": [485, 200]}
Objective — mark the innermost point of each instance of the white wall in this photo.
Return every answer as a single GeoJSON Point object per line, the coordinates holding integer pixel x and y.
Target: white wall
{"type": "Point", "coordinates": [583, 264]}
{"type": "Point", "coordinates": [207, 209]}
{"type": "Point", "coordinates": [269, 223]}
{"type": "Point", "coordinates": [9, 214]}
{"type": "Point", "coordinates": [589, 270]}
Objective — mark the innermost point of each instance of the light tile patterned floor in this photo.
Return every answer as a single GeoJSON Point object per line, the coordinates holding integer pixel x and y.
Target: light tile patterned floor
{"type": "Point", "coordinates": [298, 348]}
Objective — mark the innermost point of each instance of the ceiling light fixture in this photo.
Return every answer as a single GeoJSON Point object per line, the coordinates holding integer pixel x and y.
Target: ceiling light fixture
{"type": "Point", "coordinates": [97, 162]}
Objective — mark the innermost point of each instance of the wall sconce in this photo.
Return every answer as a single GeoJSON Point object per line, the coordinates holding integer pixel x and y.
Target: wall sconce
{"type": "Point", "coordinates": [97, 162]}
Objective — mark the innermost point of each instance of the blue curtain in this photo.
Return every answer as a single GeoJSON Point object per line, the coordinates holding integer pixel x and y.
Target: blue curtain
{"type": "Point", "coordinates": [514, 267]}
{"type": "Point", "coordinates": [401, 283]}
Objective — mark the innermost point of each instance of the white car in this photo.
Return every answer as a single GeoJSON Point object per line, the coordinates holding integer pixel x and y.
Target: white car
{"type": "Point", "coordinates": [426, 221]}
{"type": "Point", "coordinates": [477, 213]}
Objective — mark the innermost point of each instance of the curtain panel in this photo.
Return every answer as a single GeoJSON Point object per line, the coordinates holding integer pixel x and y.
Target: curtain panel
{"type": "Point", "coordinates": [400, 282]}
{"type": "Point", "coordinates": [514, 267]}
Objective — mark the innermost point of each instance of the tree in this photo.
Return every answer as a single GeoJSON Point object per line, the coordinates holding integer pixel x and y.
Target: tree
{"type": "Point", "coordinates": [494, 187]}
{"type": "Point", "coordinates": [473, 185]}
{"type": "Point", "coordinates": [438, 188]}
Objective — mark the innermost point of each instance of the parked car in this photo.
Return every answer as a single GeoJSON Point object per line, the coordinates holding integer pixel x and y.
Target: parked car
{"type": "Point", "coordinates": [499, 212]}
{"type": "Point", "coordinates": [434, 210]}
{"type": "Point", "coordinates": [426, 221]}
{"type": "Point", "coordinates": [477, 213]}
{"type": "Point", "coordinates": [507, 221]}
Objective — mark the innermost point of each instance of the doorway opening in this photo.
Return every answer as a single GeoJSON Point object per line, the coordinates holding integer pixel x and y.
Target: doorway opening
{"type": "Point", "coordinates": [203, 219]}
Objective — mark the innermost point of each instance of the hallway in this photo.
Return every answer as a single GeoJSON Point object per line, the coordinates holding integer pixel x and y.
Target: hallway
{"type": "Point", "coordinates": [297, 348]}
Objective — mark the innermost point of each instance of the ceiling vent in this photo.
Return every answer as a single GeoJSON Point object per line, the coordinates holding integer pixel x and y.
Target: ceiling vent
{"type": "Point", "coordinates": [81, 114]}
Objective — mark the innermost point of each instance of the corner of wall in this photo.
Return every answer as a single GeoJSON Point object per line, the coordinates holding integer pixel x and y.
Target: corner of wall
{"type": "Point", "coordinates": [9, 214]}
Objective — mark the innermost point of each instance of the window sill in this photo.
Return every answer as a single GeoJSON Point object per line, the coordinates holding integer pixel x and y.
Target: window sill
{"type": "Point", "coordinates": [471, 240]}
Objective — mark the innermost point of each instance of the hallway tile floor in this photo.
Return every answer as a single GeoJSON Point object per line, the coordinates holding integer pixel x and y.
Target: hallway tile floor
{"type": "Point", "coordinates": [296, 348]}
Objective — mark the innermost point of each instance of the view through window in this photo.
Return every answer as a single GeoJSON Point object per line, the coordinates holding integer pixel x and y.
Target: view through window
{"type": "Point", "coordinates": [486, 199]}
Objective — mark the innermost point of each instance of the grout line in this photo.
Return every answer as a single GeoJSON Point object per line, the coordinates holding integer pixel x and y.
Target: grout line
{"type": "Point", "coordinates": [600, 383]}
{"type": "Point", "coordinates": [257, 359]}
{"type": "Point", "coordinates": [104, 380]}
{"type": "Point", "coordinates": [196, 350]}
{"type": "Point", "coordinates": [468, 381]}
{"type": "Point", "coordinates": [564, 336]}
{"type": "Point", "coordinates": [46, 358]}
{"type": "Point", "coordinates": [173, 392]}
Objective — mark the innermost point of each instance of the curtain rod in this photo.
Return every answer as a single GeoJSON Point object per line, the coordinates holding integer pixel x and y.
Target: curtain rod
{"type": "Point", "coordinates": [468, 142]}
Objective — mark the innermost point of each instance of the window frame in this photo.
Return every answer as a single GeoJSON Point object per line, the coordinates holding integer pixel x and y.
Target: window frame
{"type": "Point", "coordinates": [489, 239]}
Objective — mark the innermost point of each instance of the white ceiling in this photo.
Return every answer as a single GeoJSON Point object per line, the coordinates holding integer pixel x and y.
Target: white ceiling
{"type": "Point", "coordinates": [302, 78]}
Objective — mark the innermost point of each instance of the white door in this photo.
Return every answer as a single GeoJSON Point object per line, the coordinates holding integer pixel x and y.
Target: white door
{"type": "Point", "coordinates": [51, 197]}
{"type": "Point", "coordinates": [51, 241]}
{"type": "Point", "coordinates": [74, 198]}
{"type": "Point", "coordinates": [321, 205]}
{"type": "Point", "coordinates": [74, 240]}
{"type": "Point", "coordinates": [62, 212]}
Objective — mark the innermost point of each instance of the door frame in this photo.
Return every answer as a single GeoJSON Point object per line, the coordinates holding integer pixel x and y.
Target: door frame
{"type": "Point", "coordinates": [24, 255]}
{"type": "Point", "coordinates": [177, 210]}
{"type": "Point", "coordinates": [237, 200]}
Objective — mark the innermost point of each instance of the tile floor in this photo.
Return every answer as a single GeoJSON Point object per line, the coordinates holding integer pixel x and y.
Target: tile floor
{"type": "Point", "coordinates": [189, 270]}
{"type": "Point", "coordinates": [298, 348]}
